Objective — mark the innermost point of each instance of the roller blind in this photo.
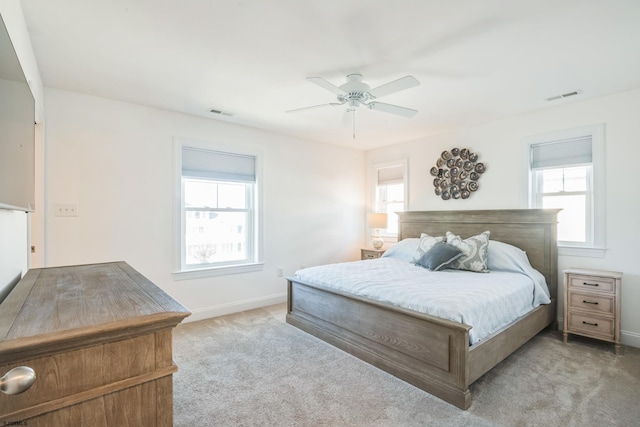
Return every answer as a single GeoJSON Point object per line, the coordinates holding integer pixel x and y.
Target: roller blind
{"type": "Point", "coordinates": [577, 151]}
{"type": "Point", "coordinates": [209, 164]}
{"type": "Point", "coordinates": [391, 175]}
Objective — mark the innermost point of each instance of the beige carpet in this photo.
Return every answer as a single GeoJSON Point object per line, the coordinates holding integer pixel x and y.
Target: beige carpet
{"type": "Point", "coordinates": [253, 369]}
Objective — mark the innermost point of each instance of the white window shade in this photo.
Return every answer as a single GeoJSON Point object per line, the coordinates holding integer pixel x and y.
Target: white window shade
{"type": "Point", "coordinates": [577, 151]}
{"type": "Point", "coordinates": [198, 163]}
{"type": "Point", "coordinates": [391, 175]}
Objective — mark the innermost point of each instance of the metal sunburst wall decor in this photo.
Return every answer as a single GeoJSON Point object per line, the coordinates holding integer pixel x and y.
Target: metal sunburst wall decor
{"type": "Point", "coordinates": [456, 174]}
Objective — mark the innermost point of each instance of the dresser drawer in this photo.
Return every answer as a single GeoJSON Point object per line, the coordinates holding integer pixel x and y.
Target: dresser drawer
{"type": "Point", "coordinates": [97, 372]}
{"type": "Point", "coordinates": [594, 303]}
{"type": "Point", "coordinates": [591, 325]}
{"type": "Point", "coordinates": [591, 283]}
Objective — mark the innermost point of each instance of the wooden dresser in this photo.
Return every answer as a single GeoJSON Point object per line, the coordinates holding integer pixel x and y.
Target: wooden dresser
{"type": "Point", "coordinates": [99, 338]}
{"type": "Point", "coordinates": [592, 304]}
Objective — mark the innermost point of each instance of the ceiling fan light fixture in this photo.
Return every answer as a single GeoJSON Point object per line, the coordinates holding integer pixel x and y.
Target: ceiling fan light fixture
{"type": "Point", "coordinates": [353, 105]}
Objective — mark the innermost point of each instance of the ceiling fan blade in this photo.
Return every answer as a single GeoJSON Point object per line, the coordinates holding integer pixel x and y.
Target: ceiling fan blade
{"type": "Point", "coordinates": [326, 85]}
{"type": "Point", "coordinates": [394, 86]}
{"type": "Point", "coordinates": [332, 104]}
{"type": "Point", "coordinates": [393, 109]}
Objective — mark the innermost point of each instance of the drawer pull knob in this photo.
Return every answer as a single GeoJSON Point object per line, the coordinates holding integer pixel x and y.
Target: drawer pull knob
{"type": "Point", "coordinates": [590, 284]}
{"type": "Point", "coordinates": [587, 323]}
{"type": "Point", "coordinates": [17, 380]}
{"type": "Point", "coordinates": [590, 302]}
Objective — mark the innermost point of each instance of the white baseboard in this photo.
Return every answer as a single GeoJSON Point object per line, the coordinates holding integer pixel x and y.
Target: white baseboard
{"type": "Point", "coordinates": [235, 307]}
{"type": "Point", "coordinates": [630, 338]}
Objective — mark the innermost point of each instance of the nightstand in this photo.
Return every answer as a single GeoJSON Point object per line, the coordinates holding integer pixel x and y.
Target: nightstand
{"type": "Point", "coordinates": [592, 305]}
{"type": "Point", "coordinates": [371, 253]}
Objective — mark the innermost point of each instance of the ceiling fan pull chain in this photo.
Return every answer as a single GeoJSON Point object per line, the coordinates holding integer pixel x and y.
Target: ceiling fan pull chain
{"type": "Point", "coordinates": [354, 125]}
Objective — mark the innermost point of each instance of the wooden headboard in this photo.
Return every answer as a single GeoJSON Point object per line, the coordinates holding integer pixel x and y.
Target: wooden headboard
{"type": "Point", "coordinates": [532, 230]}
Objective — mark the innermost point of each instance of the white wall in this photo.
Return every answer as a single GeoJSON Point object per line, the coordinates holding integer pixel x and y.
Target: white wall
{"type": "Point", "coordinates": [115, 160]}
{"type": "Point", "coordinates": [504, 183]}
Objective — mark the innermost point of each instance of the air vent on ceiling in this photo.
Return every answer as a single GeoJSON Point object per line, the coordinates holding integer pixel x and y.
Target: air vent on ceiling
{"type": "Point", "coordinates": [564, 95]}
{"type": "Point", "coordinates": [220, 112]}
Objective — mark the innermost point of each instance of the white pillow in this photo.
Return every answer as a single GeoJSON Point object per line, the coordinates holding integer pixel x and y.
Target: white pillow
{"type": "Point", "coordinates": [403, 250]}
{"type": "Point", "coordinates": [506, 257]}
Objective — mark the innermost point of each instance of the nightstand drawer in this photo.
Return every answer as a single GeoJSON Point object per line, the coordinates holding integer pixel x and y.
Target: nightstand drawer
{"type": "Point", "coordinates": [591, 325]}
{"type": "Point", "coordinates": [591, 283]}
{"type": "Point", "coordinates": [371, 253]}
{"type": "Point", "coordinates": [594, 303]}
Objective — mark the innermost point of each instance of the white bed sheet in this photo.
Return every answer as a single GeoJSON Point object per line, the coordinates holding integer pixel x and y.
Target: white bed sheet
{"type": "Point", "coordinates": [485, 301]}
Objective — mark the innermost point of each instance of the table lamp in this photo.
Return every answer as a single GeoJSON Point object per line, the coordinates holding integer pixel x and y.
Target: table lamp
{"type": "Point", "coordinates": [377, 221]}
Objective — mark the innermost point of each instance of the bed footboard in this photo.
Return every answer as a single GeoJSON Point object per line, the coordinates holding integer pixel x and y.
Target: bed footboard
{"type": "Point", "coordinates": [426, 351]}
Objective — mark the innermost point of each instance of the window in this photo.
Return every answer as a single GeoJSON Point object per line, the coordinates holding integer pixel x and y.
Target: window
{"type": "Point", "coordinates": [563, 168]}
{"type": "Point", "coordinates": [390, 193]}
{"type": "Point", "coordinates": [570, 190]}
{"type": "Point", "coordinates": [218, 210]}
{"type": "Point", "coordinates": [218, 222]}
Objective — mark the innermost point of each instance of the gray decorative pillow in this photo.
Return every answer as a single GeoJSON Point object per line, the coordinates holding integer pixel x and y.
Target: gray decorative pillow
{"type": "Point", "coordinates": [426, 243]}
{"type": "Point", "coordinates": [439, 257]}
{"type": "Point", "coordinates": [474, 252]}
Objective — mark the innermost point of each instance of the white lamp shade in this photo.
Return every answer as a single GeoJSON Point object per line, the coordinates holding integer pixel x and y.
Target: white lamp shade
{"type": "Point", "coordinates": [377, 220]}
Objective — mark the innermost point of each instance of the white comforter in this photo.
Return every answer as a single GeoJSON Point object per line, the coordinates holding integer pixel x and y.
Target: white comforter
{"type": "Point", "coordinates": [485, 301]}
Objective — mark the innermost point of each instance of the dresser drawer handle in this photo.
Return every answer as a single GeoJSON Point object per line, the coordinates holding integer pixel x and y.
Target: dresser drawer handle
{"type": "Point", "coordinates": [590, 284]}
{"type": "Point", "coordinates": [587, 323]}
{"type": "Point", "coordinates": [18, 380]}
{"type": "Point", "coordinates": [590, 302]}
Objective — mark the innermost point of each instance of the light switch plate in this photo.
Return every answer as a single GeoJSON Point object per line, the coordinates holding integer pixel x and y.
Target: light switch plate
{"type": "Point", "coordinates": [65, 209]}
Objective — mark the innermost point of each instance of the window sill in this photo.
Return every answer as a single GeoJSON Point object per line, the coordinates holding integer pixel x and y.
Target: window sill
{"type": "Point", "coordinates": [217, 271]}
{"type": "Point", "coordinates": [581, 251]}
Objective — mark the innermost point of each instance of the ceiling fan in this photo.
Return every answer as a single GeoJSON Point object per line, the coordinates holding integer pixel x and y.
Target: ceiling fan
{"type": "Point", "coordinates": [355, 93]}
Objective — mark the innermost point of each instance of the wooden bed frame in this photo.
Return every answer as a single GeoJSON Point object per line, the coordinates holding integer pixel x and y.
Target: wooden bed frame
{"type": "Point", "coordinates": [429, 352]}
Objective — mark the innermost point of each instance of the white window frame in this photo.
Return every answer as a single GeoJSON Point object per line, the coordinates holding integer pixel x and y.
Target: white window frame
{"type": "Point", "coordinates": [179, 271]}
{"type": "Point", "coordinates": [249, 210]}
{"type": "Point", "coordinates": [404, 164]}
{"type": "Point", "coordinates": [596, 132]}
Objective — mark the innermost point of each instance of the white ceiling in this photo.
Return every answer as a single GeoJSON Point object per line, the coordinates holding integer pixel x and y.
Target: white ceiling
{"type": "Point", "coordinates": [477, 60]}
